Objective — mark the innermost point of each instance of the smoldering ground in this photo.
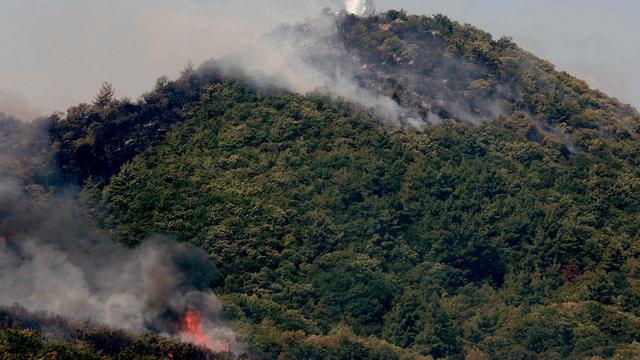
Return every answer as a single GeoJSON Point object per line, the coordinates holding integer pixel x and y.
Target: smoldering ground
{"type": "Point", "coordinates": [53, 259]}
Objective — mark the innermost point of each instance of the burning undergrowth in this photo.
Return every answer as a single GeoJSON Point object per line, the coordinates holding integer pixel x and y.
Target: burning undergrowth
{"type": "Point", "coordinates": [105, 341]}
{"type": "Point", "coordinates": [54, 260]}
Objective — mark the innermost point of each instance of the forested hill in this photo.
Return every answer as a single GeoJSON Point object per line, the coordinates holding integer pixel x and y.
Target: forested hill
{"type": "Point", "coordinates": [508, 228]}
{"type": "Point", "coordinates": [434, 68]}
{"type": "Point", "coordinates": [443, 70]}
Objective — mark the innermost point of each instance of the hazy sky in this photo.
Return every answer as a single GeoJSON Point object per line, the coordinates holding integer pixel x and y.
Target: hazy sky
{"type": "Point", "coordinates": [55, 53]}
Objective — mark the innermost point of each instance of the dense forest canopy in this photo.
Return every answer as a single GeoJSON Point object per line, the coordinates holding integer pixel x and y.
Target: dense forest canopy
{"type": "Point", "coordinates": [507, 227]}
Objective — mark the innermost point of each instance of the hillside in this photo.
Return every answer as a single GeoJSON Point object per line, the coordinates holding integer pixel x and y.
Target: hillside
{"type": "Point", "coordinates": [432, 241]}
{"type": "Point", "coordinates": [504, 226]}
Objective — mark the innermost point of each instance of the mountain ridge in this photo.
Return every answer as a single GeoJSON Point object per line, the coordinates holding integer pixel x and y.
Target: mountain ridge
{"type": "Point", "coordinates": [551, 108]}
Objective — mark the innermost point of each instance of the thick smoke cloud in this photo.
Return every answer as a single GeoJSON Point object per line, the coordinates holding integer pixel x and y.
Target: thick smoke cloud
{"type": "Point", "coordinates": [315, 55]}
{"type": "Point", "coordinates": [53, 259]}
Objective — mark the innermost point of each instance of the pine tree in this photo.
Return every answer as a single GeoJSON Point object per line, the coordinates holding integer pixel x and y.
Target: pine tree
{"type": "Point", "coordinates": [105, 95]}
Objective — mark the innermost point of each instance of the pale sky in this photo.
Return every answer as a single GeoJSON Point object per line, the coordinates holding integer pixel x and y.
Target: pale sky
{"type": "Point", "coordinates": [56, 53]}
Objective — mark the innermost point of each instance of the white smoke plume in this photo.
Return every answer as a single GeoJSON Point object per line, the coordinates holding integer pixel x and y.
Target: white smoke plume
{"type": "Point", "coordinates": [361, 7]}
{"type": "Point", "coordinates": [307, 57]}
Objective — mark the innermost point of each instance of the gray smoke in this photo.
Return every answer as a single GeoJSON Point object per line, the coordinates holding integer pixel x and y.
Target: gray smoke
{"type": "Point", "coordinates": [308, 56]}
{"type": "Point", "coordinates": [53, 259]}
{"type": "Point", "coordinates": [159, 37]}
{"type": "Point", "coordinates": [17, 105]}
{"type": "Point", "coordinates": [419, 87]}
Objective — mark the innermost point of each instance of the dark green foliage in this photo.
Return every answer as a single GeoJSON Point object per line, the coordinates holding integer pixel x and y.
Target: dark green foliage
{"type": "Point", "coordinates": [422, 324]}
{"type": "Point", "coordinates": [513, 237]}
{"type": "Point", "coordinates": [93, 140]}
{"type": "Point", "coordinates": [324, 218]}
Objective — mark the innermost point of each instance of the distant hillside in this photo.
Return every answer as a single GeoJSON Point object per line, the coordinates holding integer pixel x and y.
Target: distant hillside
{"type": "Point", "coordinates": [508, 228]}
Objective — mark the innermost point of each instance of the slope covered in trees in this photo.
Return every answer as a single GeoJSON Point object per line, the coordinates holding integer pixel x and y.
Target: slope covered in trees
{"type": "Point", "coordinates": [441, 242]}
{"type": "Point", "coordinates": [508, 228]}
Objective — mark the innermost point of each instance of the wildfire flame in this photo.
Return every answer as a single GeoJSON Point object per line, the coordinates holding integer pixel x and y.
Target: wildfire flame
{"type": "Point", "coordinates": [192, 331]}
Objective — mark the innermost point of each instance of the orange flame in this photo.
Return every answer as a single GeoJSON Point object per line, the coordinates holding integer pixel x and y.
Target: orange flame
{"type": "Point", "coordinates": [193, 326]}
{"type": "Point", "coordinates": [193, 332]}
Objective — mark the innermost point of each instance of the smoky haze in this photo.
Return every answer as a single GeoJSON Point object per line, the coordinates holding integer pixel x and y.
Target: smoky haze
{"type": "Point", "coordinates": [132, 41]}
{"type": "Point", "coordinates": [17, 105]}
{"type": "Point", "coordinates": [56, 54]}
{"type": "Point", "coordinates": [53, 259]}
